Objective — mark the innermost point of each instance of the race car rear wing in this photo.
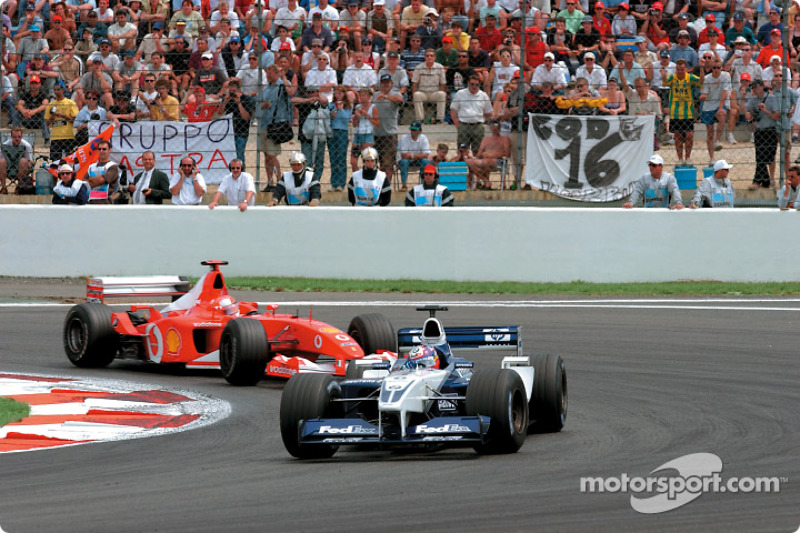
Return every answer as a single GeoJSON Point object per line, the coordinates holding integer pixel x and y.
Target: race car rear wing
{"type": "Point", "coordinates": [98, 289]}
{"type": "Point", "coordinates": [468, 337]}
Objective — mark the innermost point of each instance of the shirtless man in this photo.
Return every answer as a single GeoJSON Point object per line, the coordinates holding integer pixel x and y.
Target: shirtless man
{"type": "Point", "coordinates": [492, 149]}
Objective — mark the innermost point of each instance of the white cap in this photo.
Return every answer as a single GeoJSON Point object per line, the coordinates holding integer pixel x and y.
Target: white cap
{"type": "Point", "coordinates": [588, 54]}
{"type": "Point", "coordinates": [65, 168]}
{"type": "Point", "coordinates": [379, 3]}
{"type": "Point", "coordinates": [432, 12]}
{"type": "Point", "coordinates": [722, 165]}
{"type": "Point", "coordinates": [655, 159]}
{"type": "Point", "coordinates": [549, 55]}
{"type": "Point", "coordinates": [207, 55]}
{"type": "Point", "coordinates": [774, 58]}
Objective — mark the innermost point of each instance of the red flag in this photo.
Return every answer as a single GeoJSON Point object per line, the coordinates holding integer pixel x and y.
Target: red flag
{"type": "Point", "coordinates": [87, 154]}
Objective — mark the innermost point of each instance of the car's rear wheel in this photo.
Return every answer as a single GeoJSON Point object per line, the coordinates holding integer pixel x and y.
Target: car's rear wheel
{"type": "Point", "coordinates": [89, 338]}
{"type": "Point", "coordinates": [306, 397]}
{"type": "Point", "coordinates": [355, 371]}
{"type": "Point", "coordinates": [243, 351]}
{"type": "Point", "coordinates": [373, 332]}
{"type": "Point", "coordinates": [548, 405]}
{"type": "Point", "coordinates": [499, 394]}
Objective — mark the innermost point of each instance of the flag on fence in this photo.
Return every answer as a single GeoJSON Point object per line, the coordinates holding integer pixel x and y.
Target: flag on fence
{"type": "Point", "coordinates": [87, 154]}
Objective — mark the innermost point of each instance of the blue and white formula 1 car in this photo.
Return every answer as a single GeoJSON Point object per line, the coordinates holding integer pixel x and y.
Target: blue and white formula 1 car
{"type": "Point", "coordinates": [425, 395]}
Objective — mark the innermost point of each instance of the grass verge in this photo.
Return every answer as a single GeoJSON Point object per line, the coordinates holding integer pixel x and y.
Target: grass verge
{"type": "Point", "coordinates": [11, 410]}
{"type": "Point", "coordinates": [702, 288]}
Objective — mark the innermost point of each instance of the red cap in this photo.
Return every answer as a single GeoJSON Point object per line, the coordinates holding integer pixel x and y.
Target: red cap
{"type": "Point", "coordinates": [447, 39]}
{"type": "Point", "coordinates": [776, 31]}
{"type": "Point", "coordinates": [710, 17]}
{"type": "Point", "coordinates": [625, 6]}
{"type": "Point", "coordinates": [35, 78]}
{"type": "Point", "coordinates": [599, 5]}
{"type": "Point", "coordinates": [430, 168]}
{"type": "Point", "coordinates": [745, 76]}
{"type": "Point", "coordinates": [58, 18]}
{"type": "Point", "coordinates": [199, 89]}
{"type": "Point", "coordinates": [532, 29]}
{"type": "Point", "coordinates": [516, 74]}
{"type": "Point", "coordinates": [344, 28]}
{"type": "Point", "coordinates": [657, 5]}
{"type": "Point", "coordinates": [285, 46]}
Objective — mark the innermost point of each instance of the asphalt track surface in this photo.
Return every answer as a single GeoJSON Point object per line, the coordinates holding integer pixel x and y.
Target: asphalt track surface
{"type": "Point", "coordinates": [647, 384]}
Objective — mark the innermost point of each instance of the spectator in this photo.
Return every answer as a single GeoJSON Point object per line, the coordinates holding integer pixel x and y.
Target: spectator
{"type": "Point", "coordinates": [86, 46]}
{"type": "Point", "coordinates": [739, 100]}
{"type": "Point", "coordinates": [573, 17]}
{"type": "Point", "coordinates": [329, 14]}
{"type": "Point", "coordinates": [95, 80]}
{"type": "Point", "coordinates": [122, 109]}
{"type": "Point", "coordinates": [429, 31]}
{"type": "Point", "coordinates": [283, 37]}
{"type": "Point", "coordinates": [178, 60]}
{"type": "Point", "coordinates": [643, 101]}
{"type": "Point", "coordinates": [773, 49]}
{"type": "Point", "coordinates": [153, 42]}
{"type": "Point", "coordinates": [161, 71]}
{"type": "Point", "coordinates": [357, 76]}
{"type": "Point", "coordinates": [788, 197]}
{"type": "Point", "coordinates": [179, 33]}
{"type": "Point", "coordinates": [127, 74]}
{"type": "Point", "coordinates": [103, 175]}
{"type": "Point", "coordinates": [518, 136]}
{"type": "Point", "coordinates": [8, 101]}
{"type": "Point", "coordinates": [788, 102]}
{"type": "Point", "coordinates": [683, 26]}
{"type": "Point", "coordinates": [146, 98]}
{"type": "Point", "coordinates": [31, 107]}
{"type": "Point", "coordinates": [429, 192]}
{"type": "Point", "coordinates": [197, 106]}
{"type": "Point", "coordinates": [548, 72]}
{"type": "Point", "coordinates": [122, 33]}
{"type": "Point", "coordinates": [413, 150]}
{"type": "Point", "coordinates": [447, 56]}
{"type": "Point", "coordinates": [314, 124]}
{"type": "Point", "coordinates": [291, 16]}
{"type": "Point", "coordinates": [104, 13]}
{"type": "Point", "coordinates": [713, 45]}
{"type": "Point", "coordinates": [164, 107]}
{"type": "Point", "coordinates": [583, 96]}
{"type": "Point", "coordinates": [323, 77]}
{"type": "Point", "coordinates": [656, 188]}
{"type": "Point", "coordinates": [560, 41]}
{"type": "Point", "coordinates": [714, 96]}
{"type": "Point", "coordinates": [69, 190]}
{"type": "Point", "coordinates": [192, 19]}
{"type": "Point", "coordinates": [652, 27]}
{"type": "Point", "coordinates": [415, 55]}
{"type": "Point", "coordinates": [764, 35]}
{"type": "Point", "coordinates": [355, 20]}
{"type": "Point", "coordinates": [369, 186]}
{"type": "Point", "coordinates": [59, 115]}
{"type": "Point", "coordinates": [30, 46]}
{"type": "Point", "coordinates": [588, 39]}
{"type": "Point", "coordinates": [68, 67]}
{"type": "Point", "coordinates": [365, 119]}
{"type": "Point", "coordinates": [716, 190]}
{"type": "Point", "coordinates": [241, 107]}
{"type": "Point", "coordinates": [16, 156]}
{"type": "Point", "coordinates": [275, 109]}
{"type": "Point", "coordinates": [39, 67]}
{"type": "Point", "coordinates": [681, 112]}
{"type": "Point", "coordinates": [56, 36]}
{"type": "Point", "coordinates": [594, 75]}
{"type": "Point", "coordinates": [298, 186]}
{"type": "Point", "coordinates": [150, 186]}
{"type": "Point", "coordinates": [387, 101]}
{"type": "Point", "coordinates": [210, 77]}
{"type": "Point", "coordinates": [400, 81]}
{"type": "Point", "coordinates": [487, 158]}
{"type": "Point", "coordinates": [502, 72]}
{"type": "Point", "coordinates": [469, 109]}
{"type": "Point", "coordinates": [316, 31]}
{"type": "Point", "coordinates": [624, 24]}
{"type": "Point", "coordinates": [341, 115]}
{"type": "Point", "coordinates": [379, 24]}
{"type": "Point", "coordinates": [411, 17]}
{"type": "Point", "coordinates": [99, 29]}
{"type": "Point", "coordinates": [535, 49]}
{"type": "Point", "coordinates": [489, 36]}
{"type": "Point", "coordinates": [238, 188]}
{"type": "Point", "coordinates": [739, 30]}
{"type": "Point", "coordinates": [90, 111]}
{"type": "Point", "coordinates": [441, 154]}
{"type": "Point", "coordinates": [187, 186]}
{"type": "Point", "coordinates": [154, 12]}
{"type": "Point", "coordinates": [428, 84]}
{"type": "Point", "coordinates": [223, 13]}
{"type": "Point", "coordinates": [110, 60]}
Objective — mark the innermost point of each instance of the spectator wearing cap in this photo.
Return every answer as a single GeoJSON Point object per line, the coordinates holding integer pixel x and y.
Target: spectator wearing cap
{"type": "Point", "coordinates": [671, 12]}
{"type": "Point", "coordinates": [600, 21]}
{"type": "Point", "coordinates": [712, 44]}
{"type": "Point", "coordinates": [122, 33]}
{"type": "Point", "coordinates": [560, 40]}
{"type": "Point", "coordinates": [682, 50]}
{"type": "Point", "coordinates": [197, 107]}
{"type": "Point", "coordinates": [59, 116]}
{"type": "Point", "coordinates": [573, 17]}
{"type": "Point", "coordinates": [764, 35]}
{"type": "Point", "coordinates": [716, 190]}
{"type": "Point", "coordinates": [104, 13]}
{"type": "Point", "coordinates": [588, 39]}
{"type": "Point", "coordinates": [547, 71]}
{"type": "Point", "coordinates": [316, 30]}
{"type": "Point", "coordinates": [410, 18]}
{"type": "Point", "coordinates": [775, 48]}
{"type": "Point", "coordinates": [99, 29]}
{"type": "Point", "coordinates": [153, 12]}
{"type": "Point", "coordinates": [85, 46]}
{"type": "Point", "coordinates": [204, 33]}
{"type": "Point", "coordinates": [387, 101]}
{"type": "Point", "coordinates": [490, 36]}
{"type": "Point", "coordinates": [155, 41]}
{"type": "Point", "coordinates": [178, 60]}
{"type": "Point", "coordinates": [400, 80]}
{"type": "Point", "coordinates": [380, 25]}
{"type": "Point", "coordinates": [355, 20]}
{"type": "Point", "coordinates": [624, 24]}
{"type": "Point", "coordinates": [223, 12]}
{"type": "Point", "coordinates": [470, 108]}
{"type": "Point", "coordinates": [122, 109]}
{"type": "Point", "coordinates": [653, 27]}
{"type": "Point", "coordinates": [414, 55]}
{"type": "Point", "coordinates": [655, 188]}
{"type": "Point", "coordinates": [644, 57]}
{"type": "Point", "coordinates": [447, 56]}
{"type": "Point", "coordinates": [95, 79]}
{"type": "Point", "coordinates": [191, 19]}
{"type": "Point", "coordinates": [429, 193]}
{"type": "Point", "coordinates": [68, 190]}
{"type": "Point", "coordinates": [56, 36]}
{"type": "Point", "coordinates": [711, 22]}
{"type": "Point", "coordinates": [456, 78]}
{"type": "Point", "coordinates": [683, 26]}
{"type": "Point", "coordinates": [29, 46]}
{"type": "Point", "coordinates": [763, 111]}
{"type": "Point", "coordinates": [429, 31]}
{"type": "Point", "coordinates": [413, 150]}
{"type": "Point", "coordinates": [535, 49]}
{"type": "Point", "coordinates": [180, 33]}
{"type": "Point", "coordinates": [210, 77]}
{"type": "Point", "coordinates": [196, 59]}
{"type": "Point", "coordinates": [592, 73]}
{"type": "Point", "coordinates": [329, 15]}
{"type": "Point", "coordinates": [775, 67]}
{"type": "Point", "coordinates": [739, 29]}
{"type": "Point", "coordinates": [428, 84]}
{"type": "Point", "coordinates": [38, 66]}
{"type": "Point", "coordinates": [233, 57]}
{"type": "Point", "coordinates": [741, 61]}
{"type": "Point", "coordinates": [282, 38]}
{"type": "Point", "coordinates": [27, 18]}
{"type": "Point", "coordinates": [371, 58]}
{"type": "Point", "coordinates": [31, 107]}
{"type": "Point", "coordinates": [109, 59]}
{"type": "Point", "coordinates": [490, 7]}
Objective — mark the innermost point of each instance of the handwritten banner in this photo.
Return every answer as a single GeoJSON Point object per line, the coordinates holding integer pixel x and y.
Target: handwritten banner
{"type": "Point", "coordinates": [588, 158]}
{"type": "Point", "coordinates": [209, 143]}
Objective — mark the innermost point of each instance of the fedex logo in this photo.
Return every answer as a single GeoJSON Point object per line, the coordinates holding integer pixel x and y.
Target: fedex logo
{"type": "Point", "coordinates": [447, 428]}
{"type": "Point", "coordinates": [349, 430]}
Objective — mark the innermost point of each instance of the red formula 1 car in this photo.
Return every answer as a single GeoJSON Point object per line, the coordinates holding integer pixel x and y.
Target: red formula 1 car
{"type": "Point", "coordinates": [206, 327]}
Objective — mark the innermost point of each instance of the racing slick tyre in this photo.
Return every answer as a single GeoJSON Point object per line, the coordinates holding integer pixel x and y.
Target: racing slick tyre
{"type": "Point", "coordinates": [499, 394]}
{"type": "Point", "coordinates": [548, 405]}
{"type": "Point", "coordinates": [89, 338]}
{"type": "Point", "coordinates": [373, 332]}
{"type": "Point", "coordinates": [354, 371]}
{"type": "Point", "coordinates": [243, 351]}
{"type": "Point", "coordinates": [305, 397]}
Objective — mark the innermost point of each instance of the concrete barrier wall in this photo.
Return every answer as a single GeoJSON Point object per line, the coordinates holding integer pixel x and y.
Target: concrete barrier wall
{"type": "Point", "coordinates": [480, 243]}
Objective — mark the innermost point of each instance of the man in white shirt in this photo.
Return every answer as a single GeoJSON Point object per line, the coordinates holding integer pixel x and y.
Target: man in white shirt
{"type": "Point", "coordinates": [323, 76]}
{"type": "Point", "coordinates": [290, 17]}
{"type": "Point", "coordinates": [596, 76]}
{"type": "Point", "coordinates": [330, 16]}
{"type": "Point", "coordinates": [238, 188]}
{"type": "Point", "coordinates": [359, 75]}
{"type": "Point", "coordinates": [469, 110]}
{"type": "Point", "coordinates": [187, 185]}
{"type": "Point", "coordinates": [122, 33]}
{"type": "Point", "coordinates": [414, 150]}
{"type": "Point", "coordinates": [547, 71]}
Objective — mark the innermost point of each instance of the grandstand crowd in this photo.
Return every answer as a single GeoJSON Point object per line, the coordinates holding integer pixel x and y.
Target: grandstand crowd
{"type": "Point", "coordinates": [707, 64]}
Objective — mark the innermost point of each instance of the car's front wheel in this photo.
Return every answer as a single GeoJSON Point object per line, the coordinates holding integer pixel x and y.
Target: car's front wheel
{"type": "Point", "coordinates": [499, 394]}
{"type": "Point", "coordinates": [89, 338]}
{"type": "Point", "coordinates": [306, 397]}
{"type": "Point", "coordinates": [243, 351]}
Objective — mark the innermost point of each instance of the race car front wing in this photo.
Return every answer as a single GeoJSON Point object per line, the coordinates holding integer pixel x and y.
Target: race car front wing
{"type": "Point", "coordinates": [452, 430]}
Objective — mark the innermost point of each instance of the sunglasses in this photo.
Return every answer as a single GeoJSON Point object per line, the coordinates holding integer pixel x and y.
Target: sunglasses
{"type": "Point", "coordinates": [92, 98]}
{"type": "Point", "coordinates": [102, 149]}
{"type": "Point", "coordinates": [186, 165]}
{"type": "Point", "coordinates": [66, 49]}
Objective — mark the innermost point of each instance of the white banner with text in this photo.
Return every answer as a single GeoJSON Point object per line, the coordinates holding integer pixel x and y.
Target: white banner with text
{"type": "Point", "coordinates": [588, 158]}
{"type": "Point", "coordinates": [211, 145]}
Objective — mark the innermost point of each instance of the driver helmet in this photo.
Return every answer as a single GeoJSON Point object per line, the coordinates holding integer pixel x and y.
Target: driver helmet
{"type": "Point", "coordinates": [297, 157]}
{"type": "Point", "coordinates": [369, 154]}
{"type": "Point", "coordinates": [226, 304]}
{"type": "Point", "coordinates": [424, 357]}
